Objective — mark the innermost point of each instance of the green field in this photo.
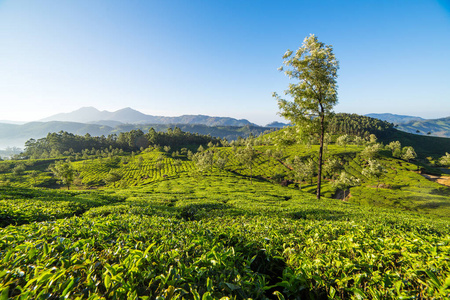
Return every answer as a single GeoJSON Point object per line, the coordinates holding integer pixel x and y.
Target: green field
{"type": "Point", "coordinates": [175, 231]}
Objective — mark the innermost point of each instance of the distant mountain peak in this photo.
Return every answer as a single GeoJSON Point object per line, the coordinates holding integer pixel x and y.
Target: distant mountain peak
{"type": "Point", "coordinates": [131, 116]}
{"type": "Point", "coordinates": [276, 124]}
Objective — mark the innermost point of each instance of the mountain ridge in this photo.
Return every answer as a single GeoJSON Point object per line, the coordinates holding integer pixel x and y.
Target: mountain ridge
{"type": "Point", "coordinates": [394, 118]}
{"type": "Point", "coordinates": [131, 116]}
{"type": "Point", "coordinates": [417, 125]}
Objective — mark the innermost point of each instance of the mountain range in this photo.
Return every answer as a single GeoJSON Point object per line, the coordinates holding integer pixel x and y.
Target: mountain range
{"type": "Point", "coordinates": [95, 122]}
{"type": "Point", "coordinates": [131, 116]}
{"type": "Point", "coordinates": [417, 125]}
{"type": "Point", "coordinates": [395, 119]}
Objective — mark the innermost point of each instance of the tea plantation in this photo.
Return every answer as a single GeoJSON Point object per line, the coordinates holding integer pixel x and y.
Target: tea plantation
{"type": "Point", "coordinates": [167, 229]}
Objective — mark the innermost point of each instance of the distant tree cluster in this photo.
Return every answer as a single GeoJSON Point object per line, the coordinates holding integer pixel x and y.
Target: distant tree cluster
{"type": "Point", "coordinates": [65, 143]}
{"type": "Point", "coordinates": [354, 124]}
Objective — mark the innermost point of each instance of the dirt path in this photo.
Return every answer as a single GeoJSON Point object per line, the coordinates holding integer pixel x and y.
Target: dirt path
{"type": "Point", "coordinates": [444, 180]}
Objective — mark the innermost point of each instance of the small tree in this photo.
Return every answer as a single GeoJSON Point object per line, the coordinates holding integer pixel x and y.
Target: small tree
{"type": "Point", "coordinates": [445, 160]}
{"type": "Point", "coordinates": [34, 175]}
{"type": "Point", "coordinates": [4, 168]}
{"type": "Point", "coordinates": [190, 155]}
{"type": "Point", "coordinates": [345, 181]}
{"type": "Point", "coordinates": [247, 156]}
{"type": "Point", "coordinates": [371, 151]}
{"type": "Point", "coordinates": [396, 148]}
{"type": "Point", "coordinates": [343, 140]}
{"type": "Point", "coordinates": [327, 140]}
{"type": "Point", "coordinates": [408, 153]}
{"type": "Point", "coordinates": [374, 170]}
{"type": "Point", "coordinates": [301, 171]}
{"type": "Point", "coordinates": [64, 172]}
{"type": "Point", "coordinates": [311, 168]}
{"type": "Point", "coordinates": [315, 67]}
{"type": "Point", "coordinates": [372, 138]}
{"type": "Point", "coordinates": [332, 166]}
{"type": "Point", "coordinates": [203, 160]}
{"type": "Point", "coordinates": [221, 161]}
{"type": "Point", "coordinates": [112, 177]}
{"type": "Point", "coordinates": [19, 169]}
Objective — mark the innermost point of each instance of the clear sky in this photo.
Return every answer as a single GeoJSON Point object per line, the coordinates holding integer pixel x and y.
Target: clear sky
{"type": "Point", "coordinates": [219, 57]}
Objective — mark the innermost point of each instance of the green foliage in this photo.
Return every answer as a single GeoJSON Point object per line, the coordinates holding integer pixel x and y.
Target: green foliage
{"type": "Point", "coordinates": [343, 140]}
{"type": "Point", "coordinates": [408, 153]}
{"type": "Point", "coordinates": [423, 145]}
{"type": "Point", "coordinates": [18, 170]}
{"type": "Point", "coordinates": [362, 126]}
{"type": "Point", "coordinates": [173, 235]}
{"type": "Point", "coordinates": [247, 157]}
{"type": "Point", "coordinates": [371, 151]}
{"type": "Point", "coordinates": [344, 181]}
{"type": "Point", "coordinates": [143, 169]}
{"type": "Point", "coordinates": [69, 144]}
{"type": "Point", "coordinates": [64, 172]}
{"type": "Point", "coordinates": [314, 96]}
{"type": "Point", "coordinates": [218, 236]}
{"type": "Point", "coordinates": [204, 160]}
{"type": "Point", "coordinates": [374, 170]}
{"type": "Point", "coordinates": [445, 160]}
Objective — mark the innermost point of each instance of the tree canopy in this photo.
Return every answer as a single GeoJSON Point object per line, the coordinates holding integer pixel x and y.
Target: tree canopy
{"type": "Point", "coordinates": [315, 67]}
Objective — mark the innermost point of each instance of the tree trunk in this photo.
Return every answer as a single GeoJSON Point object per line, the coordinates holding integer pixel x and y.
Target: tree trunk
{"type": "Point", "coordinates": [322, 131]}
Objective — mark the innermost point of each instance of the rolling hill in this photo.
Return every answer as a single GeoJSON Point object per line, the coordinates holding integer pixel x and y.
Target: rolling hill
{"type": "Point", "coordinates": [434, 127]}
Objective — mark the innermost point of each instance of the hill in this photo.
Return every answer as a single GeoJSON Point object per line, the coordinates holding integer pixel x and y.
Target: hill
{"type": "Point", "coordinates": [393, 118]}
{"type": "Point", "coordinates": [436, 127]}
{"type": "Point", "coordinates": [131, 116]}
{"type": "Point", "coordinates": [16, 135]}
{"type": "Point", "coordinates": [424, 145]}
{"type": "Point", "coordinates": [163, 225]}
{"type": "Point", "coordinates": [416, 125]}
{"type": "Point", "coordinates": [277, 124]}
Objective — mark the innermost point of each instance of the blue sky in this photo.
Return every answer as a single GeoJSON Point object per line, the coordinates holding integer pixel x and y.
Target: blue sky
{"type": "Point", "coordinates": [217, 58]}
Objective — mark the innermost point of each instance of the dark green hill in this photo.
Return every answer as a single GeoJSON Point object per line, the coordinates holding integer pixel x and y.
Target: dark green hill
{"type": "Point", "coordinates": [423, 145]}
{"type": "Point", "coordinates": [362, 126]}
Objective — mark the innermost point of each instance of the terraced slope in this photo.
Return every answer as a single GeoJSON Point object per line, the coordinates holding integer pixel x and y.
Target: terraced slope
{"type": "Point", "coordinates": [220, 237]}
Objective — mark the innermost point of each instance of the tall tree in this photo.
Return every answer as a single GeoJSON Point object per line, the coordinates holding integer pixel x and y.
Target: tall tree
{"type": "Point", "coordinates": [314, 95]}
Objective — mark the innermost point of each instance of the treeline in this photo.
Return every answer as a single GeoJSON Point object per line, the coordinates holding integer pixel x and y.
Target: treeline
{"type": "Point", "coordinates": [65, 143]}
{"type": "Point", "coordinates": [358, 125]}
